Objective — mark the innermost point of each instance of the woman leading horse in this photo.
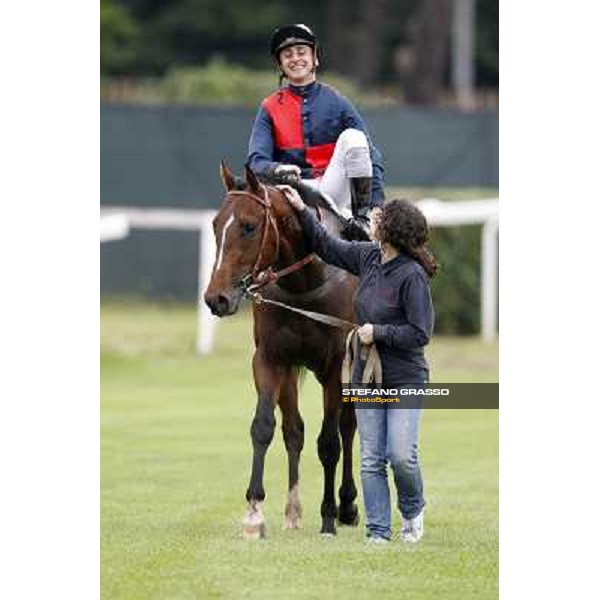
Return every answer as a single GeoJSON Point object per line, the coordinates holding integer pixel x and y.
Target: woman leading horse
{"type": "Point", "coordinates": [394, 308]}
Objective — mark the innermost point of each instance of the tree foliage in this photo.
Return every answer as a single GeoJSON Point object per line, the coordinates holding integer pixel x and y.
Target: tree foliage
{"type": "Point", "coordinates": [487, 41]}
{"type": "Point", "coordinates": [119, 37]}
{"type": "Point", "coordinates": [376, 42]}
{"type": "Point", "coordinates": [219, 83]}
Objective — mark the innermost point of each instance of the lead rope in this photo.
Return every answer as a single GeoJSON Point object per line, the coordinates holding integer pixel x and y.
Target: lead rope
{"type": "Point", "coordinates": [372, 368]}
{"type": "Point", "coordinates": [315, 316]}
{"type": "Point", "coordinates": [372, 372]}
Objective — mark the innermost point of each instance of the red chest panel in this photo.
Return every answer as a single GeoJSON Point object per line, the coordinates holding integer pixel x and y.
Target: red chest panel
{"type": "Point", "coordinates": [285, 110]}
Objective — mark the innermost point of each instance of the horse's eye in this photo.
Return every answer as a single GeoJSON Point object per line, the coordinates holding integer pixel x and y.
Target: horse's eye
{"type": "Point", "coordinates": [248, 229]}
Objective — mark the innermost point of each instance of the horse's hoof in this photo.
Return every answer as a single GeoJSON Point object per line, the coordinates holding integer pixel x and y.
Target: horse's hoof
{"type": "Point", "coordinates": [292, 522]}
{"type": "Point", "coordinates": [293, 514]}
{"type": "Point", "coordinates": [254, 531]}
{"type": "Point", "coordinates": [328, 528]}
{"type": "Point", "coordinates": [349, 516]}
{"type": "Point", "coordinates": [253, 525]}
{"type": "Point", "coordinates": [327, 536]}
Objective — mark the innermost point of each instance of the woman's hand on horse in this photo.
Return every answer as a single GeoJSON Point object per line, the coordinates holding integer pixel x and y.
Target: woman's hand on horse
{"type": "Point", "coordinates": [293, 197]}
{"type": "Point", "coordinates": [365, 334]}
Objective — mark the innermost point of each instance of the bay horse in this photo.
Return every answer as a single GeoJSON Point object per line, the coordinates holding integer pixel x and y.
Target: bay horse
{"type": "Point", "coordinates": [256, 228]}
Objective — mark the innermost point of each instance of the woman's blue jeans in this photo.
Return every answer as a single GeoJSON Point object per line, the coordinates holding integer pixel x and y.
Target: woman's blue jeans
{"type": "Point", "coordinates": [389, 434]}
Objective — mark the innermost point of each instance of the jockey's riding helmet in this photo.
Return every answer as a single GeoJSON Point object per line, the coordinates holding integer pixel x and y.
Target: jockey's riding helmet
{"type": "Point", "coordinates": [290, 35]}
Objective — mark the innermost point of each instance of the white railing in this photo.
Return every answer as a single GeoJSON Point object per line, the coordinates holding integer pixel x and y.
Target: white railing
{"type": "Point", "coordinates": [475, 212]}
{"type": "Point", "coordinates": [113, 227]}
{"type": "Point", "coordinates": [439, 214]}
{"type": "Point", "coordinates": [175, 219]}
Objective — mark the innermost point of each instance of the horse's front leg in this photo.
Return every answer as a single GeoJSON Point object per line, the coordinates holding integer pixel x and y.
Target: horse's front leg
{"type": "Point", "coordinates": [267, 379]}
{"type": "Point", "coordinates": [328, 445]}
{"type": "Point", "coordinates": [292, 426]}
{"type": "Point", "coordinates": [348, 511]}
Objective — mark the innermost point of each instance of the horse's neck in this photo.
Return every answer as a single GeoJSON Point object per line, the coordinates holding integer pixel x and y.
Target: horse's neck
{"type": "Point", "coordinates": [292, 249]}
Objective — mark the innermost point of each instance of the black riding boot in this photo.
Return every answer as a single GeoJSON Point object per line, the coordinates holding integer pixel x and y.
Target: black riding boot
{"type": "Point", "coordinates": [357, 228]}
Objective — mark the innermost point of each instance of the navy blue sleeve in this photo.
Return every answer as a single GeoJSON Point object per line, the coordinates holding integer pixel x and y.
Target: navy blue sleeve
{"type": "Point", "coordinates": [261, 145]}
{"type": "Point", "coordinates": [352, 118]}
{"type": "Point", "coordinates": [340, 253]}
{"type": "Point", "coordinates": [418, 308]}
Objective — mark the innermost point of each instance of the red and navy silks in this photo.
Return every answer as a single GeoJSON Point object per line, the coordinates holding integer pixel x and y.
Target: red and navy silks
{"type": "Point", "coordinates": [300, 126]}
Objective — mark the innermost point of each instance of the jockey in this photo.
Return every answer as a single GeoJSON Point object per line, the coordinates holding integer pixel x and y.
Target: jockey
{"type": "Point", "coordinates": [308, 130]}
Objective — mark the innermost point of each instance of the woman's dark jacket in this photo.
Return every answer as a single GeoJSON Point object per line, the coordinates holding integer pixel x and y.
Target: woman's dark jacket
{"type": "Point", "coordinates": [394, 297]}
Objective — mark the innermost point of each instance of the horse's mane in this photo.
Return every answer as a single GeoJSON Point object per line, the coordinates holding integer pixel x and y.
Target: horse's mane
{"type": "Point", "coordinates": [310, 196]}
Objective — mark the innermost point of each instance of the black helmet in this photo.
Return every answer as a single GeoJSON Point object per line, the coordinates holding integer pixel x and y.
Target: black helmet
{"type": "Point", "coordinates": [290, 35]}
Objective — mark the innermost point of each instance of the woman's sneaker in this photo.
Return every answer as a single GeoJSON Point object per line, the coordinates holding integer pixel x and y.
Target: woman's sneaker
{"type": "Point", "coordinates": [412, 529]}
{"type": "Point", "coordinates": [376, 541]}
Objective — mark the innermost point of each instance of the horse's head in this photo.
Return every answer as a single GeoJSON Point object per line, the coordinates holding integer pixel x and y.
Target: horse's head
{"type": "Point", "coordinates": [247, 241]}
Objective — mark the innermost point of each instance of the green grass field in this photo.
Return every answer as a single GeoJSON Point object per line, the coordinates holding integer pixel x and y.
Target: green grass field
{"type": "Point", "coordinates": [175, 452]}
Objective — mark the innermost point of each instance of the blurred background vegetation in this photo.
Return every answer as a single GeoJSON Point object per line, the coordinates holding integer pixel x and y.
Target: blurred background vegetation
{"type": "Point", "coordinates": [456, 288]}
{"type": "Point", "coordinates": [374, 51]}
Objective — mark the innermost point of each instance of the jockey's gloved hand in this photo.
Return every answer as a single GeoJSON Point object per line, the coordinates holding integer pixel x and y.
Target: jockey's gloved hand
{"type": "Point", "coordinates": [356, 228]}
{"type": "Point", "coordinates": [288, 173]}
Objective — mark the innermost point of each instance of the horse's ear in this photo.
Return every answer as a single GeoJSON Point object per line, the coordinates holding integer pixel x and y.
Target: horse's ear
{"type": "Point", "coordinates": [227, 177]}
{"type": "Point", "coordinates": [252, 180]}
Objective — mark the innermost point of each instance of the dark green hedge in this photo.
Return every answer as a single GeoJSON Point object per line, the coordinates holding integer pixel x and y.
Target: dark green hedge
{"type": "Point", "coordinates": [456, 287]}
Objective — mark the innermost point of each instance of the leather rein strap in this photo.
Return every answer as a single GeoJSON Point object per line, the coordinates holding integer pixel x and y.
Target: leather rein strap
{"type": "Point", "coordinates": [372, 371]}
{"type": "Point", "coordinates": [315, 316]}
{"type": "Point", "coordinates": [256, 280]}
{"type": "Point", "coordinates": [259, 278]}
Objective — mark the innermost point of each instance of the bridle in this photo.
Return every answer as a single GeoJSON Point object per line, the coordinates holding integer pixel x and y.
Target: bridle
{"type": "Point", "coordinates": [269, 220]}
{"type": "Point", "coordinates": [258, 278]}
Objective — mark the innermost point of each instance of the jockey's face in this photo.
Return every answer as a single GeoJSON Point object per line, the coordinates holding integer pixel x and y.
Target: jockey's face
{"type": "Point", "coordinates": [298, 63]}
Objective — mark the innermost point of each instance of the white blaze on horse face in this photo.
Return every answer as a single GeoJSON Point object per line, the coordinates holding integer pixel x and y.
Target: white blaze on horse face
{"type": "Point", "coordinates": [223, 233]}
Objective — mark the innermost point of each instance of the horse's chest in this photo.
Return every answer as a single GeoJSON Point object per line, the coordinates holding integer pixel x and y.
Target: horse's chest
{"type": "Point", "coordinates": [309, 346]}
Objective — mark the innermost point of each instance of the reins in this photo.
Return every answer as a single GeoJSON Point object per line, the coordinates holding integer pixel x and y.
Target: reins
{"type": "Point", "coordinates": [257, 279]}
{"type": "Point", "coordinates": [372, 370]}
{"type": "Point", "coordinates": [315, 316]}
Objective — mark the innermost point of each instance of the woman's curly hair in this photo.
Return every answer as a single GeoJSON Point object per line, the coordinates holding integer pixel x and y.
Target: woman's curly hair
{"type": "Point", "coordinates": [404, 227]}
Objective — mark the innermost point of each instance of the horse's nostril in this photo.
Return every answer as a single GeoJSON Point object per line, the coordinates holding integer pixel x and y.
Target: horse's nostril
{"type": "Point", "coordinates": [212, 303]}
{"type": "Point", "coordinates": [222, 303]}
{"type": "Point", "coordinates": [218, 304]}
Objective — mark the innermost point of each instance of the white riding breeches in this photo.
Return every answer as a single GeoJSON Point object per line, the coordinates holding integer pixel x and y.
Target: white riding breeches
{"type": "Point", "coordinates": [351, 158]}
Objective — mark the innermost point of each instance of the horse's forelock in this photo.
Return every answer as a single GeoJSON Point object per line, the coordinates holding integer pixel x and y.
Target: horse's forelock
{"type": "Point", "coordinates": [239, 184]}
